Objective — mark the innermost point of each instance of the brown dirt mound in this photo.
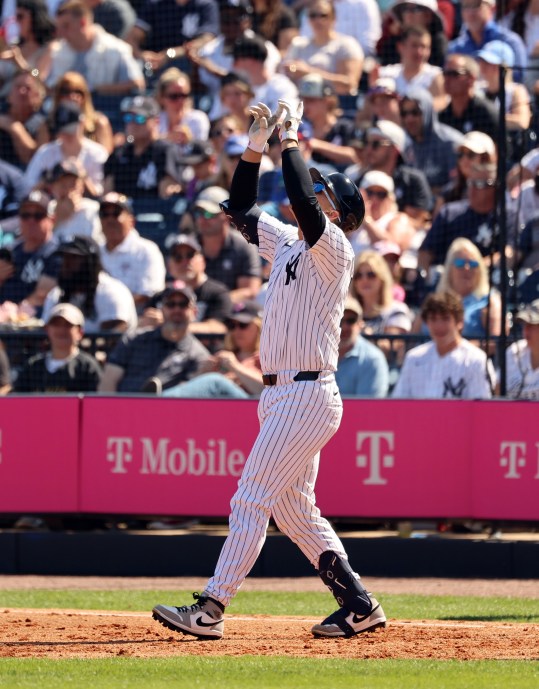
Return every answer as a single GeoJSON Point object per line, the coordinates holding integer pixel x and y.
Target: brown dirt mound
{"type": "Point", "coordinates": [92, 634]}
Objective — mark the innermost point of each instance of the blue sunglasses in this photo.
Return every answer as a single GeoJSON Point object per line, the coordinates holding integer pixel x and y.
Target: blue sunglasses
{"type": "Point", "coordinates": [320, 188]}
{"type": "Point", "coordinates": [463, 262]}
{"type": "Point", "coordinates": [137, 119]}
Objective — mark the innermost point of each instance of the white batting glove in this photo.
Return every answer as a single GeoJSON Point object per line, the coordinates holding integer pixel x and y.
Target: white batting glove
{"type": "Point", "coordinates": [288, 130]}
{"type": "Point", "coordinates": [262, 127]}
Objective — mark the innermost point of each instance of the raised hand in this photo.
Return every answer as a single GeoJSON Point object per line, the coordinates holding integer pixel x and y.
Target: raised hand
{"type": "Point", "coordinates": [291, 119]}
{"type": "Point", "coordinates": [262, 127]}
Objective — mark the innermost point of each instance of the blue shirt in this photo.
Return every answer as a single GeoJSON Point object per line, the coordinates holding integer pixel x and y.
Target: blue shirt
{"type": "Point", "coordinates": [363, 371]}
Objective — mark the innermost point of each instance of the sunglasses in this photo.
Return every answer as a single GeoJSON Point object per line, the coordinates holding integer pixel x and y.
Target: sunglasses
{"type": "Point", "coordinates": [349, 320]}
{"type": "Point", "coordinates": [320, 188]}
{"type": "Point", "coordinates": [176, 95]}
{"type": "Point", "coordinates": [465, 263]}
{"type": "Point", "coordinates": [183, 257]}
{"type": "Point", "coordinates": [67, 91]}
{"type": "Point", "coordinates": [176, 304]}
{"type": "Point", "coordinates": [207, 215]}
{"type": "Point", "coordinates": [455, 73]}
{"type": "Point", "coordinates": [369, 274]}
{"type": "Point", "coordinates": [375, 144]}
{"type": "Point", "coordinates": [413, 112]}
{"type": "Point", "coordinates": [27, 215]}
{"type": "Point", "coordinates": [130, 117]}
{"type": "Point", "coordinates": [223, 131]}
{"type": "Point", "coordinates": [318, 15]}
{"type": "Point", "coordinates": [466, 154]}
{"type": "Point", "coordinates": [232, 325]}
{"type": "Point", "coordinates": [110, 212]}
{"type": "Point", "coordinates": [373, 194]}
{"type": "Point", "coordinates": [481, 183]}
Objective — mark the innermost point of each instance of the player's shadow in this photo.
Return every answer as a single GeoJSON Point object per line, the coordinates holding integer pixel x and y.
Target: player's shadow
{"type": "Point", "coordinates": [491, 618]}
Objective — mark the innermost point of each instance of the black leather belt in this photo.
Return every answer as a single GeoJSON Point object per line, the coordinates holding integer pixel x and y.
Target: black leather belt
{"type": "Point", "coordinates": [271, 378]}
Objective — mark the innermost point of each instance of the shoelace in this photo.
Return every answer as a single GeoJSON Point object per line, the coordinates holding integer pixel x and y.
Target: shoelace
{"type": "Point", "coordinates": [200, 601]}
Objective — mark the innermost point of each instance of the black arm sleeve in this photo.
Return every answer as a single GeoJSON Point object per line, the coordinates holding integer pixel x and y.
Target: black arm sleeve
{"type": "Point", "coordinates": [241, 207]}
{"type": "Point", "coordinates": [299, 187]}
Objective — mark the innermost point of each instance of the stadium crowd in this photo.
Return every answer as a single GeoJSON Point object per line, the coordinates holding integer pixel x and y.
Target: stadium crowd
{"type": "Point", "coordinates": [121, 125]}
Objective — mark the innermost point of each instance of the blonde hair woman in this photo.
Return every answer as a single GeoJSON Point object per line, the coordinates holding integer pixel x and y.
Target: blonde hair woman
{"type": "Point", "coordinates": [179, 122]}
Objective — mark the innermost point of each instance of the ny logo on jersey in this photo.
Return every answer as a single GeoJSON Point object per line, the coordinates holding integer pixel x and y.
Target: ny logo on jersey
{"type": "Point", "coordinates": [453, 390]}
{"type": "Point", "coordinates": [291, 268]}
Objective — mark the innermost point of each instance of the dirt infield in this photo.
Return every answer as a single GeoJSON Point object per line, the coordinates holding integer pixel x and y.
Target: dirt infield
{"type": "Point", "coordinates": [92, 634]}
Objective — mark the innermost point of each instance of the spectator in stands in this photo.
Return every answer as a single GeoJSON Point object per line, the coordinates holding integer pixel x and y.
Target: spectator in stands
{"type": "Point", "coordinates": [403, 14]}
{"type": "Point", "coordinates": [229, 159]}
{"type": "Point", "coordinates": [479, 27]}
{"type": "Point", "coordinates": [383, 221]}
{"type": "Point", "coordinates": [476, 148]}
{"type": "Point", "coordinates": [518, 112]}
{"type": "Point", "coordinates": [11, 192]}
{"type": "Point", "coordinates": [5, 373]}
{"type": "Point", "coordinates": [528, 241]}
{"type": "Point", "coordinates": [162, 357]}
{"type": "Point", "coordinates": [225, 126]}
{"type": "Point", "coordinates": [467, 110]}
{"type": "Point", "coordinates": [465, 274]}
{"type": "Point", "coordinates": [107, 304]}
{"type": "Point", "coordinates": [412, 67]}
{"type": "Point", "coordinates": [275, 21]}
{"type": "Point", "coordinates": [21, 120]}
{"type": "Point", "coordinates": [522, 357]}
{"type": "Point", "coordinates": [198, 162]}
{"type": "Point", "coordinates": [105, 61]}
{"type": "Point", "coordinates": [449, 367]}
{"type": "Point", "coordinates": [179, 121]}
{"type": "Point", "coordinates": [70, 142]}
{"type": "Point", "coordinates": [125, 255]}
{"type": "Point", "coordinates": [521, 17]}
{"type": "Point", "coordinates": [166, 30]}
{"type": "Point", "coordinates": [473, 218]}
{"type": "Point", "coordinates": [357, 18]}
{"type": "Point", "coordinates": [336, 58]}
{"type": "Point", "coordinates": [185, 262]}
{"type": "Point", "coordinates": [32, 53]}
{"type": "Point", "coordinates": [235, 94]}
{"type": "Point", "coordinates": [381, 103]}
{"type": "Point", "coordinates": [64, 368]}
{"type": "Point", "coordinates": [74, 213]}
{"type": "Point", "coordinates": [214, 59]}
{"type": "Point", "coordinates": [385, 146]}
{"type": "Point", "coordinates": [229, 259]}
{"type": "Point", "coordinates": [331, 134]}
{"type": "Point", "coordinates": [117, 17]}
{"type": "Point", "coordinates": [32, 267]}
{"type": "Point", "coordinates": [145, 165]}
{"type": "Point", "coordinates": [235, 370]}
{"type": "Point", "coordinates": [433, 144]}
{"type": "Point", "coordinates": [372, 286]}
{"type": "Point", "coordinates": [362, 369]}
{"type": "Point", "coordinates": [72, 88]}
{"type": "Point", "coordinates": [250, 54]}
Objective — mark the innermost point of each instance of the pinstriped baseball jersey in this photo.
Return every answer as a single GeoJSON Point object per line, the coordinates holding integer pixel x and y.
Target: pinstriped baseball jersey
{"type": "Point", "coordinates": [305, 297]}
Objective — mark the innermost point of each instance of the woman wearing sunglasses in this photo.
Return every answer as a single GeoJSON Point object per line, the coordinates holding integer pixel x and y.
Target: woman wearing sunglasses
{"type": "Point", "coordinates": [73, 88]}
{"type": "Point", "coordinates": [179, 121]}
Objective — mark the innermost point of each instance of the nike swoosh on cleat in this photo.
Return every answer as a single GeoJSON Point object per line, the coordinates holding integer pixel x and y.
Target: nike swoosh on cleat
{"type": "Point", "coordinates": [205, 624]}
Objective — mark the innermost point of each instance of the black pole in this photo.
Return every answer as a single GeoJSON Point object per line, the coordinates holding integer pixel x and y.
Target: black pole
{"type": "Point", "coordinates": [502, 229]}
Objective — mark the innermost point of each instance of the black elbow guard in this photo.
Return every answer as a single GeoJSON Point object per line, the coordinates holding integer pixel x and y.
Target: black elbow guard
{"type": "Point", "coordinates": [245, 220]}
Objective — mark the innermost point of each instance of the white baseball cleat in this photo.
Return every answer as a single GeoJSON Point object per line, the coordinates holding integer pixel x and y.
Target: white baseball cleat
{"type": "Point", "coordinates": [346, 624]}
{"type": "Point", "coordinates": [204, 619]}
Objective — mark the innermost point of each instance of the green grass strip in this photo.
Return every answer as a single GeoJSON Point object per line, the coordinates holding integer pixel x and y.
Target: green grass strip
{"type": "Point", "coordinates": [282, 603]}
{"type": "Point", "coordinates": [252, 672]}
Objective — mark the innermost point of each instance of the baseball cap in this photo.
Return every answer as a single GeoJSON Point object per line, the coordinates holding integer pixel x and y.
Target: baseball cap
{"type": "Point", "coordinates": [37, 198]}
{"type": "Point", "coordinates": [210, 198]}
{"type": "Point", "coordinates": [245, 312]}
{"type": "Point", "coordinates": [478, 142]}
{"type": "Point", "coordinates": [68, 312]}
{"type": "Point", "coordinates": [390, 131]}
{"type": "Point", "coordinates": [236, 144]}
{"type": "Point", "coordinates": [497, 53]}
{"type": "Point", "coordinates": [386, 248]}
{"type": "Point", "coordinates": [179, 287]}
{"type": "Point", "coordinates": [244, 6]}
{"type": "Point", "coordinates": [196, 152]}
{"type": "Point", "coordinates": [140, 105]}
{"type": "Point", "coordinates": [530, 313]}
{"type": "Point", "coordinates": [112, 198]}
{"type": "Point", "coordinates": [183, 240]}
{"type": "Point", "coordinates": [384, 86]}
{"type": "Point", "coordinates": [70, 166]}
{"type": "Point", "coordinates": [314, 86]}
{"type": "Point", "coordinates": [252, 46]}
{"type": "Point", "coordinates": [351, 304]}
{"type": "Point", "coordinates": [377, 178]}
{"type": "Point", "coordinates": [79, 246]}
{"type": "Point", "coordinates": [67, 118]}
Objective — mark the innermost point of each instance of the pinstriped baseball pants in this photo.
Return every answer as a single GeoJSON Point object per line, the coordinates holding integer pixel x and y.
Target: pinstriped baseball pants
{"type": "Point", "coordinates": [296, 420]}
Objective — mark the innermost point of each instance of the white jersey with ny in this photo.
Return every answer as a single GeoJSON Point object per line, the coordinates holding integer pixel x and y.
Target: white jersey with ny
{"type": "Point", "coordinates": [305, 297]}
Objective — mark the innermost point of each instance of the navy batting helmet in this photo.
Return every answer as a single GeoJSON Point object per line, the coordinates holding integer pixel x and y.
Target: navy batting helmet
{"type": "Point", "coordinates": [349, 201]}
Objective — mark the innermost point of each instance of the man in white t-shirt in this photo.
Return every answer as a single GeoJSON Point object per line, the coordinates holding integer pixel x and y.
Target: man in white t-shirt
{"type": "Point", "coordinates": [522, 357]}
{"type": "Point", "coordinates": [449, 367]}
{"type": "Point", "coordinates": [127, 256]}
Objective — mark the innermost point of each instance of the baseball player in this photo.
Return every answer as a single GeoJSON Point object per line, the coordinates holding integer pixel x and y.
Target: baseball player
{"type": "Point", "coordinates": [300, 407]}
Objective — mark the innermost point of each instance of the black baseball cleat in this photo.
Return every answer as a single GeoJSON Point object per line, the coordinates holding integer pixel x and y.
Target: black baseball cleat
{"type": "Point", "coordinates": [344, 623]}
{"type": "Point", "coordinates": [204, 619]}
